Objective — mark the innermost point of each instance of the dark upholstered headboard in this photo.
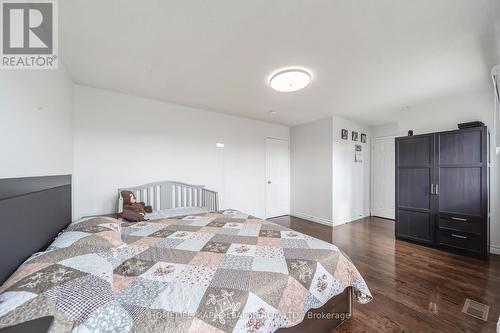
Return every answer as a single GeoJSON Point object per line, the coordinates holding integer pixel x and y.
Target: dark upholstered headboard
{"type": "Point", "coordinates": [32, 212]}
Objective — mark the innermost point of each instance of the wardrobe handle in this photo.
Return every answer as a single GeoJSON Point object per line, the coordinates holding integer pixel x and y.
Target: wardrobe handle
{"type": "Point", "coordinates": [436, 191]}
{"type": "Point", "coordinates": [458, 236]}
{"type": "Point", "coordinates": [459, 219]}
{"type": "Point", "coordinates": [432, 188]}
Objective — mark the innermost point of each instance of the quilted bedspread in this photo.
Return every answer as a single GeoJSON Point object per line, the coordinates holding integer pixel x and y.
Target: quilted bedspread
{"type": "Point", "coordinates": [214, 272]}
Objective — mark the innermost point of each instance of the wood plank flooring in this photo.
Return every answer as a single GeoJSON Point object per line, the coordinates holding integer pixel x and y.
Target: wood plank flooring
{"type": "Point", "coordinates": [415, 288]}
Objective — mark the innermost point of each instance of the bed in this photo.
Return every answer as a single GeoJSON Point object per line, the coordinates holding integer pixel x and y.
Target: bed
{"type": "Point", "coordinates": [206, 271]}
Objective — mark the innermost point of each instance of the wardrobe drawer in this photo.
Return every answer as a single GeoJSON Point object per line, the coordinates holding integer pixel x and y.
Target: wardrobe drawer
{"type": "Point", "coordinates": [461, 225]}
{"type": "Point", "coordinates": [459, 218]}
{"type": "Point", "coordinates": [460, 240]}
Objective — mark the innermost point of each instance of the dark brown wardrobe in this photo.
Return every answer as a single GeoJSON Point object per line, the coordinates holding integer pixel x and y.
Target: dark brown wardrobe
{"type": "Point", "coordinates": [442, 185]}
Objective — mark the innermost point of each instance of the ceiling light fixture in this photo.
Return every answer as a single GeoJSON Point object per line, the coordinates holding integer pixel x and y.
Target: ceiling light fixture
{"type": "Point", "coordinates": [290, 80]}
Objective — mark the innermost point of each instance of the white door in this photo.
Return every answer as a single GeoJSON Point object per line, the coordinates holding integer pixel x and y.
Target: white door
{"type": "Point", "coordinates": [277, 178]}
{"type": "Point", "coordinates": [383, 177]}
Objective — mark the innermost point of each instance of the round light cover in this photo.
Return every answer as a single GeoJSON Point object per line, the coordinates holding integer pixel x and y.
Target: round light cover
{"type": "Point", "coordinates": [290, 80]}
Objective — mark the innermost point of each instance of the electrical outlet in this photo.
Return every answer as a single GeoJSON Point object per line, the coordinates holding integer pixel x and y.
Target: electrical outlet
{"type": "Point", "coordinates": [498, 150]}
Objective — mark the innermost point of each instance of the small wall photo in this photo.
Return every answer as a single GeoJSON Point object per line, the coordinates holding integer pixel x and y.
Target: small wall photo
{"type": "Point", "coordinates": [354, 136]}
{"type": "Point", "coordinates": [345, 134]}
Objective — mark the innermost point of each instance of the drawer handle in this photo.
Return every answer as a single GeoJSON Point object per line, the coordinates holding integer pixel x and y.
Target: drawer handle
{"type": "Point", "coordinates": [459, 219]}
{"type": "Point", "coordinates": [458, 236]}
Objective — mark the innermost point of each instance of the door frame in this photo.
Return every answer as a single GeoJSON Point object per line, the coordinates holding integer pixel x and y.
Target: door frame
{"type": "Point", "coordinates": [372, 187]}
{"type": "Point", "coordinates": [266, 175]}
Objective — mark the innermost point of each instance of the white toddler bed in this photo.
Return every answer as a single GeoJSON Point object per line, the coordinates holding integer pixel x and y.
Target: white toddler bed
{"type": "Point", "coordinates": [169, 198]}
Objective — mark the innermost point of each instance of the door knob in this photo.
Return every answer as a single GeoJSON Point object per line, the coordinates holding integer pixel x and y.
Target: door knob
{"type": "Point", "coordinates": [269, 182]}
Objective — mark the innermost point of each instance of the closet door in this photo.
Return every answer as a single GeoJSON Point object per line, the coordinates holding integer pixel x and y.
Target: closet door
{"type": "Point", "coordinates": [462, 189]}
{"type": "Point", "coordinates": [414, 199]}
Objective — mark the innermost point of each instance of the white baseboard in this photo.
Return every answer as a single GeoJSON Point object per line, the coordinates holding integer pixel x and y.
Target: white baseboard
{"type": "Point", "coordinates": [311, 218]}
{"type": "Point", "coordinates": [495, 249]}
{"type": "Point", "coordinates": [327, 222]}
{"type": "Point", "coordinates": [349, 220]}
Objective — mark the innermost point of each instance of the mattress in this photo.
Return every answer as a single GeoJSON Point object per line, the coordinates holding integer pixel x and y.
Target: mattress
{"type": "Point", "coordinates": [209, 272]}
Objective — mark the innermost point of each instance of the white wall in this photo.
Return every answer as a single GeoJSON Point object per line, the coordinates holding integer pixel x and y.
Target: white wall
{"type": "Point", "coordinates": [311, 170]}
{"type": "Point", "coordinates": [122, 141]}
{"type": "Point", "coordinates": [351, 181]}
{"type": "Point", "coordinates": [444, 114]}
{"type": "Point", "coordinates": [383, 131]}
{"type": "Point", "coordinates": [35, 122]}
{"type": "Point", "coordinates": [327, 186]}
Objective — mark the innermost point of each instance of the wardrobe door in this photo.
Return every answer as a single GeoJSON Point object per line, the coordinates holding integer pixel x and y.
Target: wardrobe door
{"type": "Point", "coordinates": [414, 176]}
{"type": "Point", "coordinates": [462, 189]}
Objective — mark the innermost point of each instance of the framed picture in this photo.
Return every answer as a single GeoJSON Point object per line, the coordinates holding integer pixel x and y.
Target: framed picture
{"type": "Point", "coordinates": [358, 154]}
{"type": "Point", "coordinates": [345, 134]}
{"type": "Point", "coordinates": [354, 136]}
{"type": "Point", "coordinates": [363, 137]}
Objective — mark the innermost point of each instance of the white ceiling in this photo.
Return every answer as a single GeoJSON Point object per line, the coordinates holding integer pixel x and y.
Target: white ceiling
{"type": "Point", "coordinates": [368, 58]}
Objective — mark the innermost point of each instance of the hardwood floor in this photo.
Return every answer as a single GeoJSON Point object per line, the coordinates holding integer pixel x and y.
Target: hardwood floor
{"type": "Point", "coordinates": [415, 288]}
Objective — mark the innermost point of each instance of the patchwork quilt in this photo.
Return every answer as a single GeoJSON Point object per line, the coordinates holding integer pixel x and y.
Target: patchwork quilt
{"type": "Point", "coordinates": [213, 272]}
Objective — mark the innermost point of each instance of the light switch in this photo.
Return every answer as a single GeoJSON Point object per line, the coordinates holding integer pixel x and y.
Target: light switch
{"type": "Point", "coordinates": [219, 145]}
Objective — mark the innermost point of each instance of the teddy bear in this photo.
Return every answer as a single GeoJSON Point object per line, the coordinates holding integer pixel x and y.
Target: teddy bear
{"type": "Point", "coordinates": [133, 207]}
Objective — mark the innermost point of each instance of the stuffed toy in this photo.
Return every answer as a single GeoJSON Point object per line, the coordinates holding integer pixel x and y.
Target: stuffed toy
{"type": "Point", "coordinates": [132, 216]}
{"type": "Point", "coordinates": [132, 208]}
